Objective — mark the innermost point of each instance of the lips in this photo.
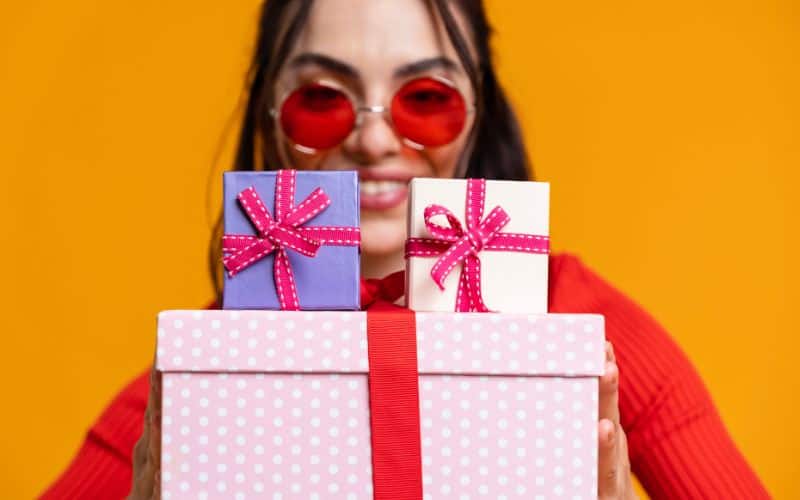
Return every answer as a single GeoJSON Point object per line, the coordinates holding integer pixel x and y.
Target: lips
{"type": "Point", "coordinates": [382, 190]}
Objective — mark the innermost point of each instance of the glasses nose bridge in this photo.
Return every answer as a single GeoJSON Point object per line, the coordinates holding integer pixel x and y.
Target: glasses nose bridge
{"type": "Point", "coordinates": [364, 110]}
{"type": "Point", "coordinates": [369, 110]}
{"type": "Point", "coordinates": [385, 114]}
{"type": "Point", "coordinates": [372, 109]}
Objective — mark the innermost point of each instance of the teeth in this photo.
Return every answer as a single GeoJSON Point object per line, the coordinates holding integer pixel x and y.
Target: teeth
{"type": "Point", "coordinates": [379, 187]}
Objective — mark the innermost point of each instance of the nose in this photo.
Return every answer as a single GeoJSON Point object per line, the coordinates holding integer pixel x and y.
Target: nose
{"type": "Point", "coordinates": [373, 139]}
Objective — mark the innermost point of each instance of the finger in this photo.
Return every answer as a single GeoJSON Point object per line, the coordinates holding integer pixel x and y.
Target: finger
{"type": "Point", "coordinates": [607, 463]}
{"type": "Point", "coordinates": [156, 493]}
{"type": "Point", "coordinates": [155, 433]}
{"type": "Point", "coordinates": [147, 451]}
{"type": "Point", "coordinates": [610, 356]}
{"type": "Point", "coordinates": [142, 487]}
{"type": "Point", "coordinates": [139, 464]}
{"type": "Point", "coordinates": [609, 393]}
{"type": "Point", "coordinates": [140, 448]}
{"type": "Point", "coordinates": [154, 407]}
{"type": "Point", "coordinates": [155, 391]}
{"type": "Point", "coordinates": [624, 482]}
{"type": "Point", "coordinates": [145, 484]}
{"type": "Point", "coordinates": [154, 444]}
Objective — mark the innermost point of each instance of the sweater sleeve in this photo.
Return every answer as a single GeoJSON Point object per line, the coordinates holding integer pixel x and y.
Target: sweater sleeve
{"type": "Point", "coordinates": [678, 444]}
{"type": "Point", "coordinates": [102, 467]}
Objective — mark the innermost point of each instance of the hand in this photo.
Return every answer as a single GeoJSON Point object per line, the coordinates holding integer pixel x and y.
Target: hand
{"type": "Point", "coordinates": [614, 468]}
{"type": "Point", "coordinates": [147, 452]}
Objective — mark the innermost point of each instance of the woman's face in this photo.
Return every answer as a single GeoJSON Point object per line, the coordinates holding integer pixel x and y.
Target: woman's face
{"type": "Point", "coordinates": [370, 48]}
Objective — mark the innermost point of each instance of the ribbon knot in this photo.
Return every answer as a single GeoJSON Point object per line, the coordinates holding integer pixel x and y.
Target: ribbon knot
{"type": "Point", "coordinates": [283, 232]}
{"type": "Point", "coordinates": [456, 246]}
{"type": "Point", "coordinates": [477, 239]}
{"type": "Point", "coordinates": [266, 233]}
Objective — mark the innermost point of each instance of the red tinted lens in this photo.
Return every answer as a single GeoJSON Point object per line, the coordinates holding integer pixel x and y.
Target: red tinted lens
{"type": "Point", "coordinates": [428, 112]}
{"type": "Point", "coordinates": [317, 116]}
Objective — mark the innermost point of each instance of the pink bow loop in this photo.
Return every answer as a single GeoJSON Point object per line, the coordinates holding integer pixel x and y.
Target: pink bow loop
{"type": "Point", "coordinates": [447, 233]}
{"type": "Point", "coordinates": [454, 245]}
{"type": "Point", "coordinates": [282, 233]}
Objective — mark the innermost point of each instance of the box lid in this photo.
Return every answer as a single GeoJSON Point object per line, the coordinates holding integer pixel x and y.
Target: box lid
{"type": "Point", "coordinates": [336, 342]}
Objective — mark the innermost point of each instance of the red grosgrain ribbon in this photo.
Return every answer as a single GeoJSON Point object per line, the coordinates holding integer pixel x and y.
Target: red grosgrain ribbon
{"type": "Point", "coordinates": [454, 245]}
{"type": "Point", "coordinates": [283, 232]}
{"type": "Point", "coordinates": [394, 403]}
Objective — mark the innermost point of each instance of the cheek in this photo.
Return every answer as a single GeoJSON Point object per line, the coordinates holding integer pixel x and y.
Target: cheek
{"type": "Point", "coordinates": [291, 158]}
{"type": "Point", "coordinates": [324, 160]}
{"type": "Point", "coordinates": [444, 160]}
{"type": "Point", "coordinates": [298, 160]}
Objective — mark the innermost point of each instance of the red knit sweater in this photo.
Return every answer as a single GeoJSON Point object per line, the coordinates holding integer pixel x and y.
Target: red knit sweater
{"type": "Point", "coordinates": [678, 445]}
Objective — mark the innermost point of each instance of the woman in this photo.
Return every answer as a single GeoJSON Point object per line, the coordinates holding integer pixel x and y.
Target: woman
{"type": "Point", "coordinates": [427, 55]}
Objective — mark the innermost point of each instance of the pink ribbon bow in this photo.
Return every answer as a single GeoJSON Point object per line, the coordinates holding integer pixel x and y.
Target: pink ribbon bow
{"type": "Point", "coordinates": [283, 232]}
{"type": "Point", "coordinates": [454, 245]}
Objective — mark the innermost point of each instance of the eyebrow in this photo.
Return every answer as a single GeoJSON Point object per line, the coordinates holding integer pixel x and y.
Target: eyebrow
{"type": "Point", "coordinates": [439, 62]}
{"type": "Point", "coordinates": [347, 70]}
{"type": "Point", "coordinates": [325, 62]}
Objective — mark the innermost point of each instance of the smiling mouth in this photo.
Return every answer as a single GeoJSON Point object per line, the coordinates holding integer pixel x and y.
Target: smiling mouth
{"type": "Point", "coordinates": [382, 194]}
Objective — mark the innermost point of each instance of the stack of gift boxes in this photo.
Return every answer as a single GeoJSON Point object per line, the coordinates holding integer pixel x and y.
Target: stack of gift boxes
{"type": "Point", "coordinates": [471, 391]}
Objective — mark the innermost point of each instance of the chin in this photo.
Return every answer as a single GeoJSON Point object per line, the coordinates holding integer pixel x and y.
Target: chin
{"type": "Point", "coordinates": [381, 238]}
{"type": "Point", "coordinates": [380, 247]}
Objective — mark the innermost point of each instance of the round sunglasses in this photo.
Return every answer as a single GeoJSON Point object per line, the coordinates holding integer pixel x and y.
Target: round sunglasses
{"type": "Point", "coordinates": [425, 112]}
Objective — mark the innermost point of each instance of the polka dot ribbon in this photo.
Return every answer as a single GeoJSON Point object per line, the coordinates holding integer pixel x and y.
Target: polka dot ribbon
{"type": "Point", "coordinates": [283, 232]}
{"type": "Point", "coordinates": [453, 244]}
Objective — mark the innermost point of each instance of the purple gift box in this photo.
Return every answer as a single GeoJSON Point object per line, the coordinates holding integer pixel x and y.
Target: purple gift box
{"type": "Point", "coordinates": [327, 280]}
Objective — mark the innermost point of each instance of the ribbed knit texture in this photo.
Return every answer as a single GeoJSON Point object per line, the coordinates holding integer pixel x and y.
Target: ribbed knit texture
{"type": "Point", "coordinates": [678, 445]}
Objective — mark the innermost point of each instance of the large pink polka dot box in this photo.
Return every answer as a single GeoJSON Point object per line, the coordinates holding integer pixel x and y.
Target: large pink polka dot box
{"type": "Point", "coordinates": [389, 403]}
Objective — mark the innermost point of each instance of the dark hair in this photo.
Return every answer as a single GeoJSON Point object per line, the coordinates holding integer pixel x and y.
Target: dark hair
{"type": "Point", "coordinates": [497, 148]}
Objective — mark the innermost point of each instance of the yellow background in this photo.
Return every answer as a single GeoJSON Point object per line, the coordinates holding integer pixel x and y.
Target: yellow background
{"type": "Point", "coordinates": [668, 131]}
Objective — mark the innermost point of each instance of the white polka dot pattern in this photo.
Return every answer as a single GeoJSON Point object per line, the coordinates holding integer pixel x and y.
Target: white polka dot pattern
{"type": "Point", "coordinates": [508, 404]}
{"type": "Point", "coordinates": [263, 341]}
{"type": "Point", "coordinates": [249, 435]}
{"type": "Point", "coordinates": [520, 344]}
{"type": "Point", "coordinates": [508, 437]}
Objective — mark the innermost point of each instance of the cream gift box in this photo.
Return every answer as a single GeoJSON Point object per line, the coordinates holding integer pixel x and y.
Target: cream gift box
{"type": "Point", "coordinates": [511, 256]}
{"type": "Point", "coordinates": [276, 403]}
